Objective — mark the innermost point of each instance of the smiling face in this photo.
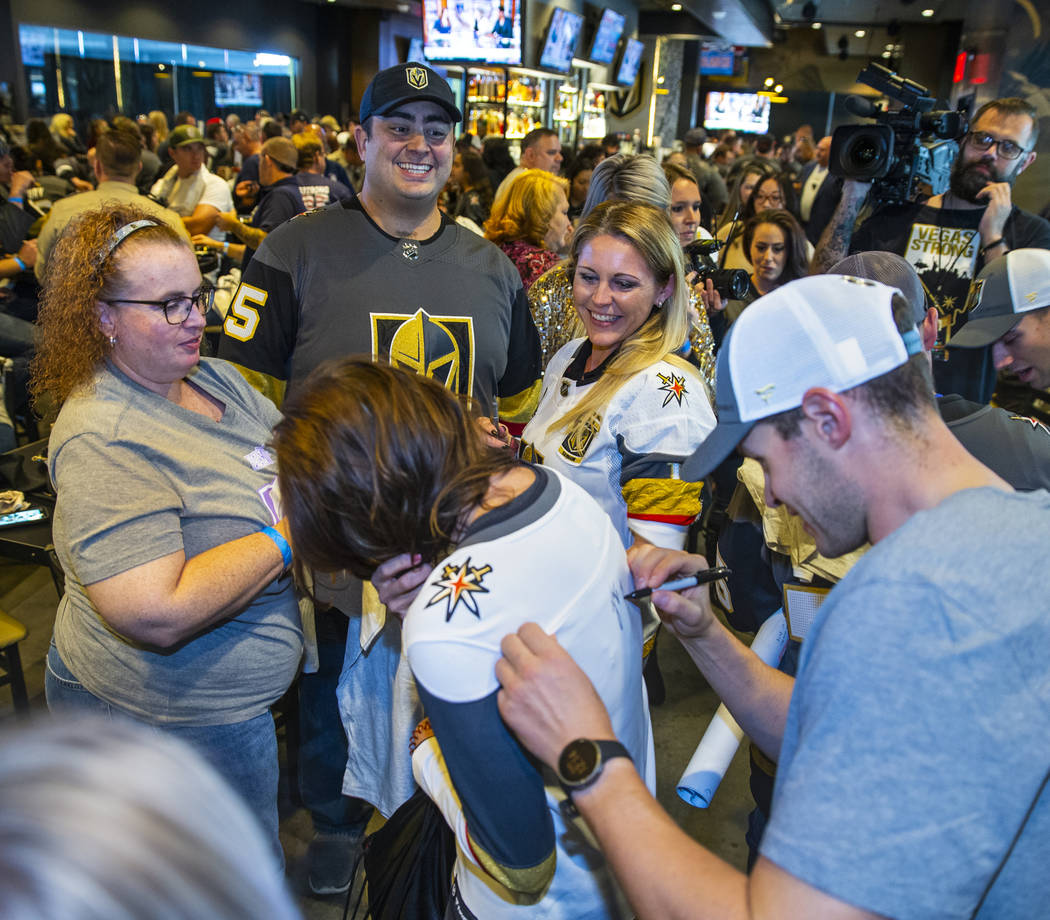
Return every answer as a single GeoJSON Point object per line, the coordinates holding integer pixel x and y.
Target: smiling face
{"type": "Point", "coordinates": [768, 255]}
{"type": "Point", "coordinates": [684, 210]}
{"type": "Point", "coordinates": [768, 194]}
{"type": "Point", "coordinates": [800, 477]}
{"type": "Point", "coordinates": [614, 292]}
{"type": "Point", "coordinates": [149, 349]}
{"type": "Point", "coordinates": [1025, 349]}
{"type": "Point", "coordinates": [409, 154]}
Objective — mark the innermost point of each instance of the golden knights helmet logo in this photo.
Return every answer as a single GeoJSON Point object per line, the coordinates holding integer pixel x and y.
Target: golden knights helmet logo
{"type": "Point", "coordinates": [574, 447]}
{"type": "Point", "coordinates": [441, 347]}
{"type": "Point", "coordinates": [417, 77]}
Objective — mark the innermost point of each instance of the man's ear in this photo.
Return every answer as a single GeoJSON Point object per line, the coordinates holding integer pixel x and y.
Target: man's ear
{"type": "Point", "coordinates": [829, 414]}
{"type": "Point", "coordinates": [928, 330]}
{"type": "Point", "coordinates": [361, 139]}
{"type": "Point", "coordinates": [1028, 161]}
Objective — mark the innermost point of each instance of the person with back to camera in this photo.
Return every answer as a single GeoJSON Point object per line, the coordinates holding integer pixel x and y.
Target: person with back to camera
{"type": "Point", "coordinates": [101, 818]}
{"type": "Point", "coordinates": [637, 178]}
{"type": "Point", "coordinates": [376, 462]}
{"type": "Point", "coordinates": [530, 223]}
{"type": "Point", "coordinates": [178, 611]}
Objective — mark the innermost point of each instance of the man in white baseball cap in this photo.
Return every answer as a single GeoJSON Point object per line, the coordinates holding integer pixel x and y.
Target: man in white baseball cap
{"type": "Point", "coordinates": [1008, 309]}
{"type": "Point", "coordinates": [912, 777]}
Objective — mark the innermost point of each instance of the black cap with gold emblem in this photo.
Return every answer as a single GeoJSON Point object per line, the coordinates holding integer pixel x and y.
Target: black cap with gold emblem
{"type": "Point", "coordinates": [407, 83]}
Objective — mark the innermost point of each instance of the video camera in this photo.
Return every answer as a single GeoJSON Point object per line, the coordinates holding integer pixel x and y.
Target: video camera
{"type": "Point", "coordinates": [731, 283]}
{"type": "Point", "coordinates": [904, 147]}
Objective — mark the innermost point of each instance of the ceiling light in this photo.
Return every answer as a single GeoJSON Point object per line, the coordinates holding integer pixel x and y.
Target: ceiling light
{"type": "Point", "coordinates": [779, 88]}
{"type": "Point", "coordinates": [887, 55]}
{"type": "Point", "coordinates": [927, 13]}
{"type": "Point", "coordinates": [860, 33]}
{"type": "Point", "coordinates": [676, 7]}
{"type": "Point", "coordinates": [889, 47]}
{"type": "Point", "coordinates": [770, 81]}
{"type": "Point", "coordinates": [815, 25]}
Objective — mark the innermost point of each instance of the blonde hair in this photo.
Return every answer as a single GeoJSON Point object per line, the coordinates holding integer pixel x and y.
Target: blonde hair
{"type": "Point", "coordinates": [649, 231]}
{"type": "Point", "coordinates": [83, 268]}
{"type": "Point", "coordinates": [160, 124]}
{"type": "Point", "coordinates": [524, 211]}
{"type": "Point", "coordinates": [62, 123]}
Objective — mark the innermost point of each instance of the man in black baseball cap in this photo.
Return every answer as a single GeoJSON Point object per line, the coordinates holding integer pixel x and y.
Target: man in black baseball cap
{"type": "Point", "coordinates": [383, 273]}
{"type": "Point", "coordinates": [407, 83]}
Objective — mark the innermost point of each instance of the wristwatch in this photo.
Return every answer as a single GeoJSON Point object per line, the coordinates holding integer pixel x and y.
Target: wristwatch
{"type": "Point", "coordinates": [581, 761]}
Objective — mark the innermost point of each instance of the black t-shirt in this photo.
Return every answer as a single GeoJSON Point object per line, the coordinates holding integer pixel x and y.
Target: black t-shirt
{"type": "Point", "coordinates": [943, 246]}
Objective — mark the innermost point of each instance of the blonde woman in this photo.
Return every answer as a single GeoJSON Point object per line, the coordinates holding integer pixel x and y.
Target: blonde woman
{"type": "Point", "coordinates": [620, 409]}
{"type": "Point", "coordinates": [530, 223]}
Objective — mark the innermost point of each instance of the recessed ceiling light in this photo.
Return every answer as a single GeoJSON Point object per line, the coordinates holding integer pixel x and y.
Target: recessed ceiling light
{"type": "Point", "coordinates": [887, 54]}
{"type": "Point", "coordinates": [860, 33]}
{"type": "Point", "coordinates": [770, 81]}
{"type": "Point", "coordinates": [815, 25]}
{"type": "Point", "coordinates": [927, 13]}
{"type": "Point", "coordinates": [676, 7]}
{"type": "Point", "coordinates": [779, 88]}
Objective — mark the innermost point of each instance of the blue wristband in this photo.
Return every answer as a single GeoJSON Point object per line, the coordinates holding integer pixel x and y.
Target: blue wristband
{"type": "Point", "coordinates": [21, 264]}
{"type": "Point", "coordinates": [281, 543]}
{"type": "Point", "coordinates": [21, 200]}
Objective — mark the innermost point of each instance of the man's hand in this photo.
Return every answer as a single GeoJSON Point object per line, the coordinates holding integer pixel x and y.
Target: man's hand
{"type": "Point", "coordinates": [992, 224]}
{"type": "Point", "coordinates": [688, 613]}
{"type": "Point", "coordinates": [545, 698]}
{"type": "Point", "coordinates": [398, 581]}
{"type": "Point", "coordinates": [27, 253]}
{"type": "Point", "coordinates": [246, 190]}
{"type": "Point", "coordinates": [227, 220]}
{"type": "Point", "coordinates": [202, 239]}
{"type": "Point", "coordinates": [81, 185]}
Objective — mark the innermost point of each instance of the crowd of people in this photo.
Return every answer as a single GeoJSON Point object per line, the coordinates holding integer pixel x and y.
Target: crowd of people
{"type": "Point", "coordinates": [458, 409]}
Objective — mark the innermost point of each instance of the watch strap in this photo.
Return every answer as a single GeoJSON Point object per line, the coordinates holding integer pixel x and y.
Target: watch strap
{"type": "Point", "coordinates": [607, 750]}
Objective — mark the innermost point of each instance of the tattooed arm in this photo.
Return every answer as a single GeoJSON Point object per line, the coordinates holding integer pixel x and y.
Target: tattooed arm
{"type": "Point", "coordinates": [834, 242]}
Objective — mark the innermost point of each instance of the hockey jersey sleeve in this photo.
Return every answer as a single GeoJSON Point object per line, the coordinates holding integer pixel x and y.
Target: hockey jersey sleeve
{"type": "Point", "coordinates": [664, 421]}
{"type": "Point", "coordinates": [490, 793]}
{"type": "Point", "coordinates": [519, 388]}
{"type": "Point", "coordinates": [259, 332]}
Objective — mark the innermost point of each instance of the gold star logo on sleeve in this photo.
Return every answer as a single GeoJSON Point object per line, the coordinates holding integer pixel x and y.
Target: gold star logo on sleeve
{"type": "Point", "coordinates": [460, 584]}
{"type": "Point", "coordinates": [673, 386]}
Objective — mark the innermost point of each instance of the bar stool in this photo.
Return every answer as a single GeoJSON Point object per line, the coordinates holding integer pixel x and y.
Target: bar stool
{"type": "Point", "coordinates": [11, 633]}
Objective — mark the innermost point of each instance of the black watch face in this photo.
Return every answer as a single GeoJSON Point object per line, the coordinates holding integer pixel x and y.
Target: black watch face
{"type": "Point", "coordinates": [578, 761]}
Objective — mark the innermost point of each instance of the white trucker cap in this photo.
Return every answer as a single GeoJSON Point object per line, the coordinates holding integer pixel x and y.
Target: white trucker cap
{"type": "Point", "coordinates": [832, 331]}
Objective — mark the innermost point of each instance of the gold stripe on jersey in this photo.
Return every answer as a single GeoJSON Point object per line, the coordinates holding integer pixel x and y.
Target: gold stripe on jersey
{"type": "Point", "coordinates": [521, 406]}
{"type": "Point", "coordinates": [662, 498]}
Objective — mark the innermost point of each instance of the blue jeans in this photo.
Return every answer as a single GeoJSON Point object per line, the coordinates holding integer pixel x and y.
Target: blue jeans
{"type": "Point", "coordinates": [322, 740]}
{"type": "Point", "coordinates": [244, 753]}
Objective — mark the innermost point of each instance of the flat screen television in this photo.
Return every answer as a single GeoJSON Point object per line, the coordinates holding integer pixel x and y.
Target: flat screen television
{"type": "Point", "coordinates": [238, 89]}
{"type": "Point", "coordinates": [606, 37]}
{"type": "Point", "coordinates": [630, 61]}
{"type": "Point", "coordinates": [472, 30]}
{"type": "Point", "coordinates": [559, 44]}
{"type": "Point", "coordinates": [737, 111]}
{"type": "Point", "coordinates": [717, 59]}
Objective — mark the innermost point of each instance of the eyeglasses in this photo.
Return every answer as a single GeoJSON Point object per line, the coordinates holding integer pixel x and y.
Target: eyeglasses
{"type": "Point", "coordinates": [1007, 149]}
{"type": "Point", "coordinates": [178, 309]}
{"type": "Point", "coordinates": [769, 198]}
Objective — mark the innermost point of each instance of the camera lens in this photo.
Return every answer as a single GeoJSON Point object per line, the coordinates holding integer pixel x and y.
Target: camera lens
{"type": "Point", "coordinates": [864, 153]}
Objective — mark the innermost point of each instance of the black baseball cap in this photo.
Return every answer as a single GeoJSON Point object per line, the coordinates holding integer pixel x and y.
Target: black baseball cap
{"type": "Point", "coordinates": [407, 83]}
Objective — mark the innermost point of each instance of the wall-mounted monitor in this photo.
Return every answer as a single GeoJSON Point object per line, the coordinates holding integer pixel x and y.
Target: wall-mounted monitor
{"type": "Point", "coordinates": [606, 37]}
{"type": "Point", "coordinates": [472, 30]}
{"type": "Point", "coordinates": [559, 44]}
{"type": "Point", "coordinates": [238, 89]}
{"type": "Point", "coordinates": [738, 112]}
{"type": "Point", "coordinates": [630, 62]}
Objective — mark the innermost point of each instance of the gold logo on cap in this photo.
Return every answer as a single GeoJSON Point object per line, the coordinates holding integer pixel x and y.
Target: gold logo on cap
{"type": "Point", "coordinates": [766, 392]}
{"type": "Point", "coordinates": [417, 77]}
{"type": "Point", "coordinates": [1031, 296]}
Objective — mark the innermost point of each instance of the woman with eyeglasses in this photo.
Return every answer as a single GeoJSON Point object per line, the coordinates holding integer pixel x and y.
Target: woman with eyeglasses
{"type": "Point", "coordinates": [179, 611]}
{"type": "Point", "coordinates": [771, 193]}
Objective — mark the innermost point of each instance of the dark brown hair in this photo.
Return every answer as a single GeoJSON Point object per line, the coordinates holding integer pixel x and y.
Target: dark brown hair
{"type": "Point", "coordinates": [376, 461]}
{"type": "Point", "coordinates": [796, 265]}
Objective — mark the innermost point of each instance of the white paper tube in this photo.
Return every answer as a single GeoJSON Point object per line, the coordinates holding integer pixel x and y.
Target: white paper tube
{"type": "Point", "coordinates": [715, 752]}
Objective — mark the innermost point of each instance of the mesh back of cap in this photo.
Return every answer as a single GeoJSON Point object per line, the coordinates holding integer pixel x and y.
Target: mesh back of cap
{"type": "Point", "coordinates": [824, 331]}
{"type": "Point", "coordinates": [887, 268]}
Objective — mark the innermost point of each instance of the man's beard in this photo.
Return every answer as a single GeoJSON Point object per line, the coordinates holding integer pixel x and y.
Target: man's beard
{"type": "Point", "coordinates": [967, 180]}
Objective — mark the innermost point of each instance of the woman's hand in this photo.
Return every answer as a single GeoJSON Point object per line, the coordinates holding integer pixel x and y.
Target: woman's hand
{"type": "Point", "coordinates": [706, 294]}
{"type": "Point", "coordinates": [494, 436]}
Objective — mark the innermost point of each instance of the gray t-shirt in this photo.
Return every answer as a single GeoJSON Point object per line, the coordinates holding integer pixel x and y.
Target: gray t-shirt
{"type": "Point", "coordinates": [138, 478]}
{"type": "Point", "coordinates": [917, 743]}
